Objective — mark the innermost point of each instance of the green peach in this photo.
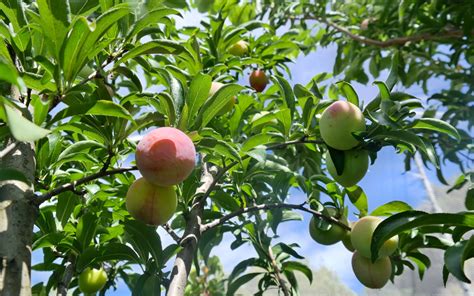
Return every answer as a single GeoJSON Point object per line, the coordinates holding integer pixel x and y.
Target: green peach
{"type": "Point", "coordinates": [151, 204]}
{"type": "Point", "coordinates": [356, 163]}
{"type": "Point", "coordinates": [373, 275]}
{"type": "Point", "coordinates": [92, 280]}
{"type": "Point", "coordinates": [334, 234]}
{"type": "Point", "coordinates": [239, 48]}
{"type": "Point", "coordinates": [338, 122]}
{"type": "Point", "coordinates": [361, 237]}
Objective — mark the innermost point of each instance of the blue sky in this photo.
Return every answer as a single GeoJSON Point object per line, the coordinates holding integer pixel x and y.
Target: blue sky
{"type": "Point", "coordinates": [385, 181]}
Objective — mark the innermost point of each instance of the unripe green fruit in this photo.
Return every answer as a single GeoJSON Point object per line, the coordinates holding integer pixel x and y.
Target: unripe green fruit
{"type": "Point", "coordinates": [92, 280]}
{"type": "Point", "coordinates": [215, 86]}
{"type": "Point", "coordinates": [372, 275]}
{"type": "Point", "coordinates": [338, 122]}
{"type": "Point", "coordinates": [239, 48]}
{"type": "Point", "coordinates": [258, 80]}
{"type": "Point", "coordinates": [361, 237]}
{"type": "Point", "coordinates": [356, 163]}
{"type": "Point", "coordinates": [346, 240]}
{"type": "Point", "coordinates": [153, 205]}
{"type": "Point", "coordinates": [165, 156]}
{"type": "Point", "coordinates": [334, 234]}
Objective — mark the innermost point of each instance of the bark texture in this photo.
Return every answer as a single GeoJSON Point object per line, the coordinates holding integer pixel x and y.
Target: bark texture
{"type": "Point", "coordinates": [17, 217]}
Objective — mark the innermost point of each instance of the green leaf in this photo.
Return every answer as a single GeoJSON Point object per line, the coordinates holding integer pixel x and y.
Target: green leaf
{"type": "Point", "coordinates": [102, 107]}
{"type": "Point", "coordinates": [384, 91]}
{"type": "Point", "coordinates": [152, 47]}
{"type": "Point", "coordinates": [282, 247]}
{"type": "Point", "coordinates": [83, 7]}
{"type": "Point", "coordinates": [54, 15]}
{"type": "Point", "coordinates": [9, 74]}
{"type": "Point", "coordinates": [349, 92]}
{"type": "Point", "coordinates": [215, 103]}
{"type": "Point", "coordinates": [146, 240]}
{"type": "Point", "coordinates": [197, 95]}
{"type": "Point", "coordinates": [391, 208]}
{"type": "Point", "coordinates": [437, 125]}
{"type": "Point", "coordinates": [470, 198]}
{"type": "Point", "coordinates": [78, 147]}
{"type": "Point", "coordinates": [150, 18]}
{"type": "Point", "coordinates": [86, 228]}
{"type": "Point", "coordinates": [294, 265]}
{"type": "Point", "coordinates": [411, 219]}
{"type": "Point", "coordinates": [7, 174]}
{"type": "Point", "coordinates": [21, 128]}
{"type": "Point", "coordinates": [287, 92]}
{"type": "Point", "coordinates": [456, 255]}
{"type": "Point", "coordinates": [13, 9]}
{"type": "Point", "coordinates": [35, 82]}
{"type": "Point", "coordinates": [66, 203]}
{"type": "Point", "coordinates": [71, 50]}
{"type": "Point", "coordinates": [358, 198]}
{"type": "Point", "coordinates": [236, 284]}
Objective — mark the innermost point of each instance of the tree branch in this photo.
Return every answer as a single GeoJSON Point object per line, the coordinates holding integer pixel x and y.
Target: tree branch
{"type": "Point", "coordinates": [398, 41]}
{"type": "Point", "coordinates": [191, 236]}
{"type": "Point", "coordinates": [66, 279]}
{"type": "Point", "coordinates": [281, 281]}
{"type": "Point", "coordinates": [300, 207]}
{"type": "Point", "coordinates": [71, 186]}
{"type": "Point", "coordinates": [7, 150]}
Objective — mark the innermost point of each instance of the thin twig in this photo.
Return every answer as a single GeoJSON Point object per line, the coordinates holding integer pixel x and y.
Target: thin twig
{"type": "Point", "coordinates": [171, 232]}
{"type": "Point", "coordinates": [71, 186]}
{"type": "Point", "coordinates": [300, 207]}
{"type": "Point", "coordinates": [390, 42]}
{"type": "Point", "coordinates": [66, 279]}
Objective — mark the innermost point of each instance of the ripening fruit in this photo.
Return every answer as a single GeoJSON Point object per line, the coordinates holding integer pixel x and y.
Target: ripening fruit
{"type": "Point", "coordinates": [346, 240]}
{"type": "Point", "coordinates": [92, 280]}
{"type": "Point", "coordinates": [356, 163]}
{"type": "Point", "coordinates": [215, 86]}
{"type": "Point", "coordinates": [334, 234]}
{"type": "Point", "coordinates": [153, 205]}
{"type": "Point", "coordinates": [165, 156]}
{"type": "Point", "coordinates": [372, 275]}
{"type": "Point", "coordinates": [338, 122]}
{"type": "Point", "coordinates": [239, 48]}
{"type": "Point", "coordinates": [361, 237]}
{"type": "Point", "coordinates": [258, 80]}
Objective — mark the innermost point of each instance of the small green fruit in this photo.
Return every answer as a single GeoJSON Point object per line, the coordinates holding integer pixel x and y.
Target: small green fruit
{"type": "Point", "coordinates": [239, 48]}
{"type": "Point", "coordinates": [372, 275]}
{"type": "Point", "coordinates": [334, 234]}
{"type": "Point", "coordinates": [338, 122]}
{"type": "Point", "coordinates": [356, 163]}
{"type": "Point", "coordinates": [92, 280]}
{"type": "Point", "coordinates": [361, 237]}
{"type": "Point", "coordinates": [346, 240]}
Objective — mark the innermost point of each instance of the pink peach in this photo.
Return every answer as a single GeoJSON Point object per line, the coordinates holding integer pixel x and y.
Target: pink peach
{"type": "Point", "coordinates": [166, 156]}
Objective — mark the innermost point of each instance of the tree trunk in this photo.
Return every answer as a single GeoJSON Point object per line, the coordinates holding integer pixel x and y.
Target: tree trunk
{"type": "Point", "coordinates": [17, 217]}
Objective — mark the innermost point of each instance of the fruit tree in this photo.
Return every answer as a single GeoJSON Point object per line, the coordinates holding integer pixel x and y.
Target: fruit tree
{"type": "Point", "coordinates": [123, 121]}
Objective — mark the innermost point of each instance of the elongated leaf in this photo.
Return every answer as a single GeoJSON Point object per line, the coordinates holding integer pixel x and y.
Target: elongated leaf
{"type": "Point", "coordinates": [86, 228]}
{"type": "Point", "coordinates": [146, 239]}
{"type": "Point", "coordinates": [349, 92]}
{"type": "Point", "coordinates": [455, 256]}
{"type": "Point", "coordinates": [197, 95]}
{"type": "Point", "coordinates": [54, 21]}
{"type": "Point", "coordinates": [384, 91]}
{"type": "Point", "coordinates": [151, 17]}
{"type": "Point", "coordinates": [286, 91]}
{"type": "Point", "coordinates": [236, 284]}
{"type": "Point", "coordinates": [437, 125]}
{"type": "Point", "coordinates": [79, 146]}
{"type": "Point", "coordinates": [411, 219]}
{"type": "Point", "coordinates": [152, 47]}
{"type": "Point", "coordinates": [66, 203]}
{"type": "Point", "coordinates": [294, 265]}
{"type": "Point", "coordinates": [14, 12]}
{"type": "Point", "coordinates": [21, 128]}
{"type": "Point", "coordinates": [72, 47]}
{"type": "Point", "coordinates": [391, 208]}
{"type": "Point", "coordinates": [358, 198]}
{"type": "Point", "coordinates": [215, 103]}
